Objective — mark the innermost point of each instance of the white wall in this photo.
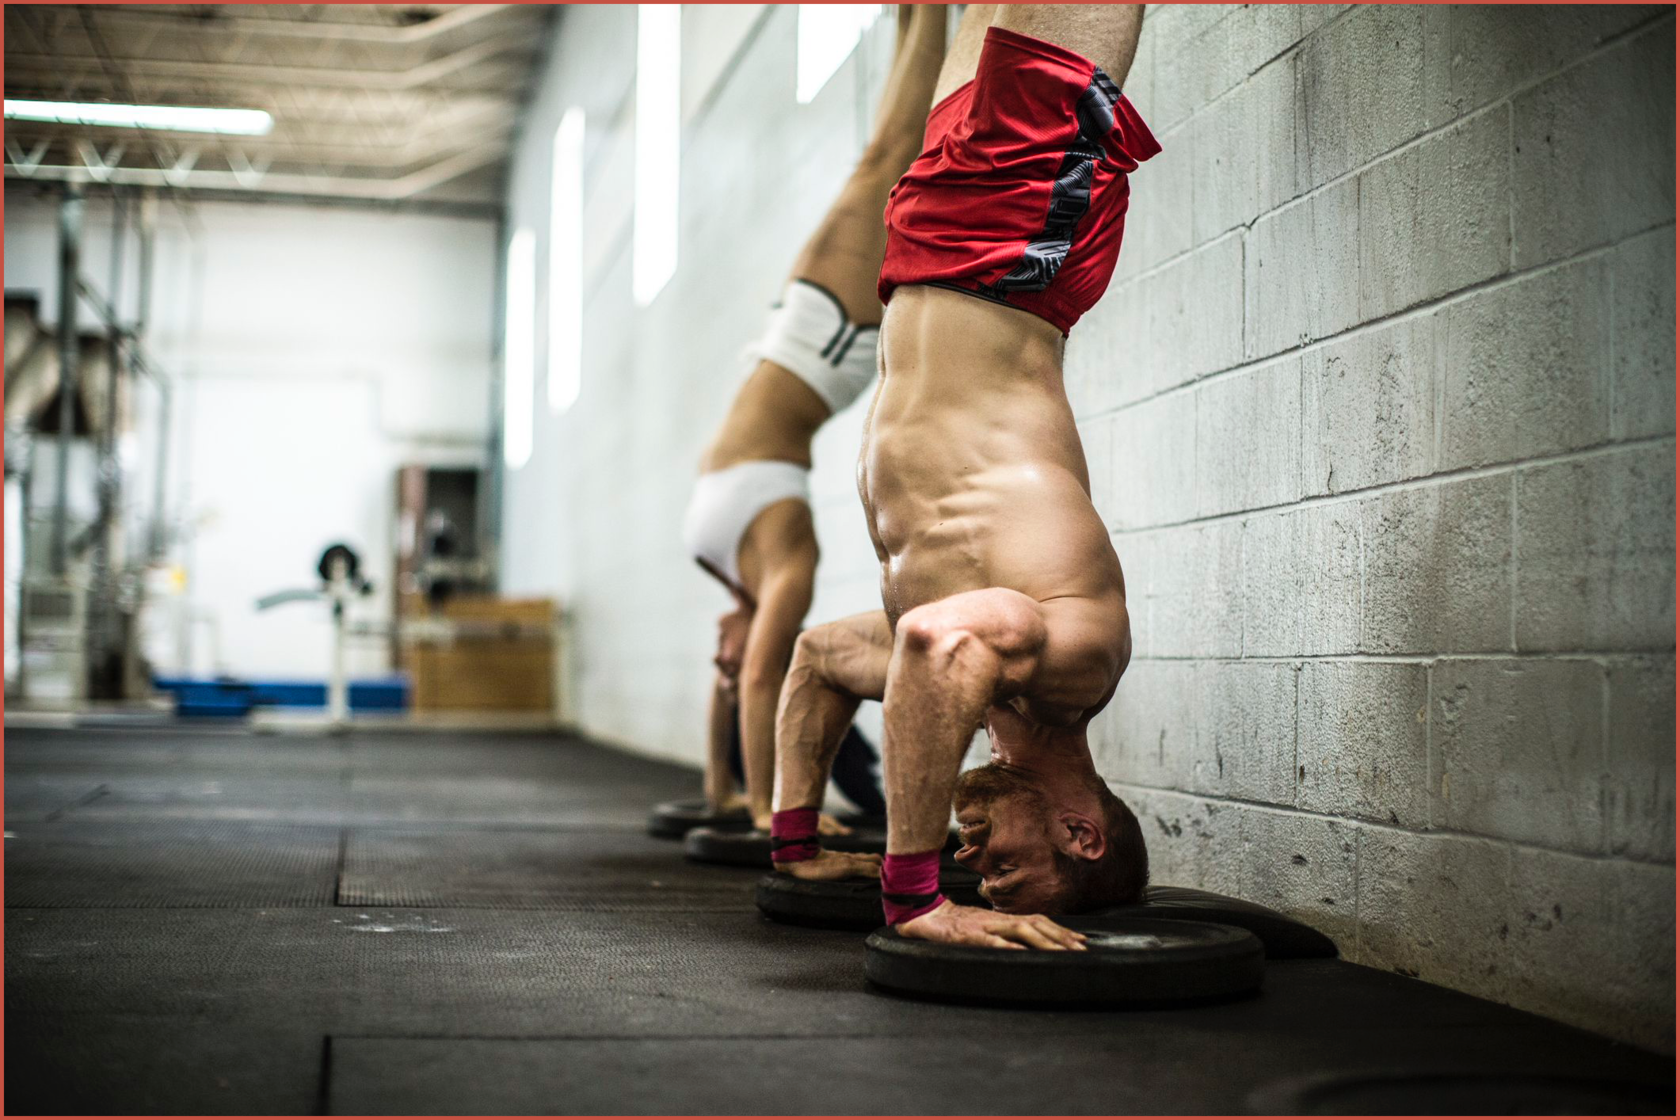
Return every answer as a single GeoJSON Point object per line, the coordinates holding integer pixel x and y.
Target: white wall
{"type": "Point", "coordinates": [317, 349]}
{"type": "Point", "coordinates": [594, 516]}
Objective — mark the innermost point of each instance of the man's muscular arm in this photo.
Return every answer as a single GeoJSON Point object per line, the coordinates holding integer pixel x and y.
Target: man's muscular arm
{"type": "Point", "coordinates": [952, 660]}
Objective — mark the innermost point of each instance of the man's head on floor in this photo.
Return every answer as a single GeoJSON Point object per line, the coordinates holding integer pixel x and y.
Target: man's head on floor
{"type": "Point", "coordinates": [1043, 847]}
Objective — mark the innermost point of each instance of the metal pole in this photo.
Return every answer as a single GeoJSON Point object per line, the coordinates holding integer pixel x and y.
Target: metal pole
{"type": "Point", "coordinates": [69, 283]}
{"type": "Point", "coordinates": [102, 618]}
{"type": "Point", "coordinates": [142, 319]}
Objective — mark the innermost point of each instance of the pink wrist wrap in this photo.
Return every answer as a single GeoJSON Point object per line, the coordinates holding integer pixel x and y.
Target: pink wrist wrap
{"type": "Point", "coordinates": [910, 886]}
{"type": "Point", "coordinates": [793, 835]}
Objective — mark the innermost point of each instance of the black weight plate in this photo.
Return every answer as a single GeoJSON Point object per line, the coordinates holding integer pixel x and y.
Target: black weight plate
{"type": "Point", "coordinates": [1460, 1093]}
{"type": "Point", "coordinates": [673, 819]}
{"type": "Point", "coordinates": [752, 848]}
{"type": "Point", "coordinates": [1283, 936]}
{"type": "Point", "coordinates": [1127, 962]}
{"type": "Point", "coordinates": [853, 904]}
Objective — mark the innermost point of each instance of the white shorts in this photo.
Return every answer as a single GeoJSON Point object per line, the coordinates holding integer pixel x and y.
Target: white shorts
{"type": "Point", "coordinates": [726, 502]}
{"type": "Point", "coordinates": [809, 336]}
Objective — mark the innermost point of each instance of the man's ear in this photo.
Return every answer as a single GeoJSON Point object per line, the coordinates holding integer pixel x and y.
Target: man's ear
{"type": "Point", "coordinates": [1085, 838]}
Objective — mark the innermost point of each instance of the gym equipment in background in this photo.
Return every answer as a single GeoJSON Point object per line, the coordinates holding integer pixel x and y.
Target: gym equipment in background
{"type": "Point", "coordinates": [341, 581]}
{"type": "Point", "coordinates": [1127, 962]}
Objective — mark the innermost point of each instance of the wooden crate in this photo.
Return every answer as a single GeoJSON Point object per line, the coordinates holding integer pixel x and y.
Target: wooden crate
{"type": "Point", "coordinates": [482, 670]}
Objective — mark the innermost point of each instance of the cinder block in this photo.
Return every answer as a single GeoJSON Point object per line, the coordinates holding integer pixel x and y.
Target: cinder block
{"type": "Point", "coordinates": [1178, 831]}
{"type": "Point", "coordinates": [1138, 84]}
{"type": "Point", "coordinates": [1154, 462]}
{"type": "Point", "coordinates": [1591, 942]}
{"type": "Point", "coordinates": [1363, 747]}
{"type": "Point", "coordinates": [1108, 361]}
{"type": "Point", "coordinates": [1301, 582]}
{"type": "Point", "coordinates": [1187, 76]}
{"type": "Point", "coordinates": [1523, 370]}
{"type": "Point", "coordinates": [1595, 553]}
{"type": "Point", "coordinates": [1196, 313]}
{"type": "Point", "coordinates": [1639, 787]}
{"type": "Point", "coordinates": [1304, 866]}
{"type": "Point", "coordinates": [1436, 217]}
{"type": "Point", "coordinates": [1245, 150]}
{"type": "Point", "coordinates": [1368, 407]}
{"type": "Point", "coordinates": [1495, 48]}
{"type": "Point", "coordinates": [1146, 735]}
{"type": "Point", "coordinates": [1438, 568]}
{"type": "Point", "coordinates": [1642, 389]}
{"type": "Point", "coordinates": [1248, 439]}
{"type": "Point", "coordinates": [1645, 920]}
{"type": "Point", "coordinates": [1432, 907]}
{"type": "Point", "coordinates": [1301, 271]}
{"type": "Point", "coordinates": [1362, 88]}
{"type": "Point", "coordinates": [1594, 157]}
{"type": "Point", "coordinates": [1191, 586]}
{"type": "Point", "coordinates": [1519, 750]}
{"type": "Point", "coordinates": [1158, 221]}
{"type": "Point", "coordinates": [1245, 732]}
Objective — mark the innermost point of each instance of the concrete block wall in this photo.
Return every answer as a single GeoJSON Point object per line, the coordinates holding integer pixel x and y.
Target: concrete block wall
{"type": "Point", "coordinates": [1380, 411]}
{"type": "Point", "coordinates": [1379, 408]}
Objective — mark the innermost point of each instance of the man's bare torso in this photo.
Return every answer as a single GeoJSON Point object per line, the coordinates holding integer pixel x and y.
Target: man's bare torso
{"type": "Point", "coordinates": [972, 476]}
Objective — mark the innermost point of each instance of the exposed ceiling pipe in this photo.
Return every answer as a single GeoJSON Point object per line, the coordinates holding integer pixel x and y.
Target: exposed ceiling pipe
{"type": "Point", "coordinates": [389, 190]}
{"type": "Point", "coordinates": [453, 20]}
{"type": "Point", "coordinates": [410, 78]}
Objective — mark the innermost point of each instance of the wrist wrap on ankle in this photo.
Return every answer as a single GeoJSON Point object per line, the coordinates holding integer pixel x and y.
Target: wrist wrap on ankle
{"type": "Point", "coordinates": [910, 885]}
{"type": "Point", "coordinates": [793, 835]}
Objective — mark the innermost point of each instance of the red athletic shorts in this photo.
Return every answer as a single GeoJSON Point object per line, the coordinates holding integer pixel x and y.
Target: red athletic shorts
{"type": "Point", "coordinates": [1020, 192]}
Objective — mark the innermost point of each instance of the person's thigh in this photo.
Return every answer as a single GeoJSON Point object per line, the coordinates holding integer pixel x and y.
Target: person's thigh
{"type": "Point", "coordinates": [963, 58]}
{"type": "Point", "coordinates": [1107, 34]}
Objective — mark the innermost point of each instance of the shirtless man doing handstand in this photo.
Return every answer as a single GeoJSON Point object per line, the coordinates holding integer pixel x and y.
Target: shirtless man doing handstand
{"type": "Point", "coordinates": [1003, 600]}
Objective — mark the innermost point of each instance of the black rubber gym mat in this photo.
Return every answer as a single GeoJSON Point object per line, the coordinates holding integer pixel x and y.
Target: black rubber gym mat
{"type": "Point", "coordinates": [620, 870]}
{"type": "Point", "coordinates": [169, 865]}
{"type": "Point", "coordinates": [209, 796]}
{"type": "Point", "coordinates": [1138, 1068]}
{"type": "Point", "coordinates": [35, 796]}
{"type": "Point", "coordinates": [146, 1066]}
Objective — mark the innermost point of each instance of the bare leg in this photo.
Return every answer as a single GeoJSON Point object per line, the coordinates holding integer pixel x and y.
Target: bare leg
{"type": "Point", "coordinates": [835, 667]}
{"type": "Point", "coordinates": [844, 254]}
{"type": "Point", "coordinates": [720, 784]}
{"type": "Point", "coordinates": [964, 57]}
{"type": "Point", "coordinates": [1107, 34]}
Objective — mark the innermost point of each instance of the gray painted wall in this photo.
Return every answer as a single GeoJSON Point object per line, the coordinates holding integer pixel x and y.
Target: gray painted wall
{"type": "Point", "coordinates": [1379, 408]}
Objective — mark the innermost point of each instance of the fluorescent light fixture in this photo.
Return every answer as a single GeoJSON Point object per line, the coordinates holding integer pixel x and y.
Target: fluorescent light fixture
{"type": "Point", "coordinates": [519, 349]}
{"type": "Point", "coordinates": [163, 118]}
{"type": "Point", "coordinates": [565, 264]}
{"type": "Point", "coordinates": [828, 33]}
{"type": "Point", "coordinates": [653, 253]}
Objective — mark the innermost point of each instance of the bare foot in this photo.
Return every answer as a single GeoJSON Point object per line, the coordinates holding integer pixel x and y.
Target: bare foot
{"type": "Point", "coordinates": [827, 865]}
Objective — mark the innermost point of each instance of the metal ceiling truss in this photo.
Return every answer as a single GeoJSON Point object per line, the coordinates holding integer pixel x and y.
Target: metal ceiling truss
{"type": "Point", "coordinates": [369, 101]}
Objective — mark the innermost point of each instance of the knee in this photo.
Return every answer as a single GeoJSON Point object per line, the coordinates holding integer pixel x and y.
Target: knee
{"type": "Point", "coordinates": [928, 631]}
